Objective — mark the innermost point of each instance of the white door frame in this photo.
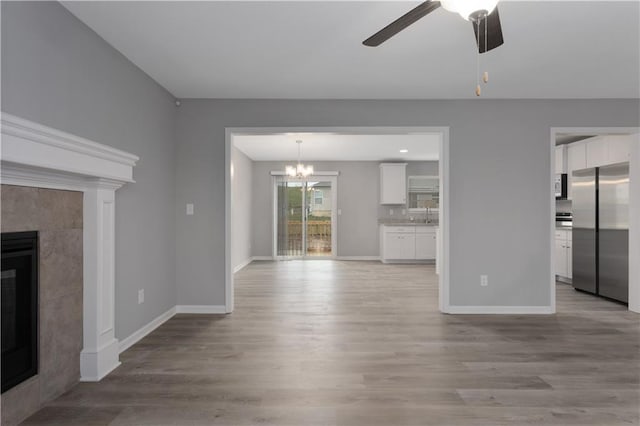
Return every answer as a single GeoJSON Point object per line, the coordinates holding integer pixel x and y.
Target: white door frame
{"type": "Point", "coordinates": [443, 278]}
{"type": "Point", "coordinates": [634, 208]}
{"type": "Point", "coordinates": [324, 176]}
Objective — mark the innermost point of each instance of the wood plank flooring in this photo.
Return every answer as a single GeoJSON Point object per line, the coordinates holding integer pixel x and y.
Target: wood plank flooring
{"type": "Point", "coordinates": [362, 343]}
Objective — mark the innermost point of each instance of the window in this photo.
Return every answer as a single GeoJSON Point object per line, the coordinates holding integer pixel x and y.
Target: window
{"type": "Point", "coordinates": [318, 196]}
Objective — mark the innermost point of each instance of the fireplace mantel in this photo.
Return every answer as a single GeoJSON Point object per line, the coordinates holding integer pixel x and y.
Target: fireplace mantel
{"type": "Point", "coordinates": [39, 156]}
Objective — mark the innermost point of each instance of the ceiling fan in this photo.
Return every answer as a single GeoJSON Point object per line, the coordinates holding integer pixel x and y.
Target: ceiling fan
{"type": "Point", "coordinates": [483, 14]}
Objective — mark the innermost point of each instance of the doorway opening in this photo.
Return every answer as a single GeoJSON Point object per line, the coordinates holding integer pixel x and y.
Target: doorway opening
{"type": "Point", "coordinates": [345, 212]}
{"type": "Point", "coordinates": [304, 217]}
{"type": "Point", "coordinates": [595, 231]}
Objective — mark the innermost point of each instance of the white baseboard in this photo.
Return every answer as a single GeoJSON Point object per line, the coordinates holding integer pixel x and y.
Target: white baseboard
{"type": "Point", "coordinates": [500, 310]}
{"type": "Point", "coordinates": [146, 329]}
{"type": "Point", "coordinates": [262, 258]}
{"type": "Point", "coordinates": [358, 258]}
{"type": "Point", "coordinates": [162, 318]}
{"type": "Point", "coordinates": [201, 309]}
{"type": "Point", "coordinates": [239, 267]}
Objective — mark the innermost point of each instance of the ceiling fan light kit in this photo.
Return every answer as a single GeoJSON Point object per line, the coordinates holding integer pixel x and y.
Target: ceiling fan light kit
{"type": "Point", "coordinates": [471, 10]}
{"type": "Point", "coordinates": [483, 15]}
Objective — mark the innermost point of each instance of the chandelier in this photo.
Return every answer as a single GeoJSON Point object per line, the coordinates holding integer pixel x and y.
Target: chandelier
{"type": "Point", "coordinates": [299, 170]}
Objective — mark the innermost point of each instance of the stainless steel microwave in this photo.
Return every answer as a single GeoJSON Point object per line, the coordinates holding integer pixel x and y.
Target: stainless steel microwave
{"type": "Point", "coordinates": [561, 186]}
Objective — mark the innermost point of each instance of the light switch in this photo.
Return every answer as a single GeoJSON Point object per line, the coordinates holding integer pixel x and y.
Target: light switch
{"type": "Point", "coordinates": [189, 209]}
{"type": "Point", "coordinates": [339, 212]}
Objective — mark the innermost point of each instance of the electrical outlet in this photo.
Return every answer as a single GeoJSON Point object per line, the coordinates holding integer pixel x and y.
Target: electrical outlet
{"type": "Point", "coordinates": [484, 280]}
{"type": "Point", "coordinates": [190, 209]}
{"type": "Point", "coordinates": [140, 296]}
{"type": "Point", "coordinates": [404, 212]}
{"type": "Point", "coordinates": [391, 212]}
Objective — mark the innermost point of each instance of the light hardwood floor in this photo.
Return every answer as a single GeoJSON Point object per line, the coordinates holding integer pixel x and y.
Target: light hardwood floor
{"type": "Point", "coordinates": [362, 343]}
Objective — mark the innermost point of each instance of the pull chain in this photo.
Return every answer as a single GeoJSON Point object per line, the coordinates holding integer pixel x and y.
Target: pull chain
{"type": "Point", "coordinates": [478, 89]}
{"type": "Point", "coordinates": [485, 76]}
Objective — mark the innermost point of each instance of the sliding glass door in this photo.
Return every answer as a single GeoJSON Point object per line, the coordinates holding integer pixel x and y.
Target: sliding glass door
{"type": "Point", "coordinates": [305, 216]}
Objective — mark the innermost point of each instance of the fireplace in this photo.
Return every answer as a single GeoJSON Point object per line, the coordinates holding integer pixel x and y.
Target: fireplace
{"type": "Point", "coordinates": [19, 307]}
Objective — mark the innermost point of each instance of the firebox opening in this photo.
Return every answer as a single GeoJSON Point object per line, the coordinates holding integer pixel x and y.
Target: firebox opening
{"type": "Point", "coordinates": [19, 307]}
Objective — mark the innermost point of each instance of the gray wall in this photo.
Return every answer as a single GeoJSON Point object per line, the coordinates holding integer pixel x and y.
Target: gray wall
{"type": "Point", "coordinates": [58, 72]}
{"type": "Point", "coordinates": [242, 207]}
{"type": "Point", "coordinates": [499, 150]}
{"type": "Point", "coordinates": [358, 185]}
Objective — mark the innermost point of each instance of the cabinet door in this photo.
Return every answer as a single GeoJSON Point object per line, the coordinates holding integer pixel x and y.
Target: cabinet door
{"type": "Point", "coordinates": [393, 184]}
{"type": "Point", "coordinates": [596, 152]}
{"type": "Point", "coordinates": [560, 159]}
{"type": "Point", "coordinates": [425, 246]}
{"type": "Point", "coordinates": [576, 160]}
{"type": "Point", "coordinates": [569, 260]}
{"type": "Point", "coordinates": [408, 246]}
{"type": "Point", "coordinates": [393, 245]}
{"type": "Point", "coordinates": [619, 149]}
{"type": "Point", "coordinates": [561, 258]}
{"type": "Point", "coordinates": [576, 157]}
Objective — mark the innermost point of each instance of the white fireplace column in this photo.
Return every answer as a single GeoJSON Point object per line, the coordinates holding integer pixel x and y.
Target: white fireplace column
{"type": "Point", "coordinates": [38, 156]}
{"type": "Point", "coordinates": [100, 352]}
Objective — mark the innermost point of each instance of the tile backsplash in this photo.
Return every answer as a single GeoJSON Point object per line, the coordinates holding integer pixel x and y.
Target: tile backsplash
{"type": "Point", "coordinates": [401, 213]}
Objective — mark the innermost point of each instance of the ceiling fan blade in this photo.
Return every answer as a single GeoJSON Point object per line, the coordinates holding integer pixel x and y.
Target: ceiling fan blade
{"type": "Point", "coordinates": [401, 23]}
{"type": "Point", "coordinates": [493, 32]}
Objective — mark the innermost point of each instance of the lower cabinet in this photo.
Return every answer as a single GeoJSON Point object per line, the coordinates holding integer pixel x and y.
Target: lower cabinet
{"type": "Point", "coordinates": [425, 244]}
{"type": "Point", "coordinates": [400, 246]}
{"type": "Point", "coordinates": [564, 254]}
{"type": "Point", "coordinates": [561, 258]}
{"type": "Point", "coordinates": [407, 243]}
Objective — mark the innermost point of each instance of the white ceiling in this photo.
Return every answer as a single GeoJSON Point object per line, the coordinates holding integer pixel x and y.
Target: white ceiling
{"type": "Point", "coordinates": [339, 147]}
{"type": "Point", "coordinates": [303, 49]}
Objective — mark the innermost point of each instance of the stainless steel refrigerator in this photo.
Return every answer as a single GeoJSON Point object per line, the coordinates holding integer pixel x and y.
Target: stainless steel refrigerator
{"type": "Point", "coordinates": [601, 231]}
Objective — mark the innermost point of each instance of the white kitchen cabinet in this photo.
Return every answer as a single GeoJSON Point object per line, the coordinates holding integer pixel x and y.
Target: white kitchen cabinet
{"type": "Point", "coordinates": [618, 148]}
{"type": "Point", "coordinates": [561, 258]}
{"type": "Point", "coordinates": [407, 243]}
{"type": "Point", "coordinates": [564, 254]}
{"type": "Point", "coordinates": [560, 159]}
{"type": "Point", "coordinates": [569, 258]}
{"type": "Point", "coordinates": [576, 160]}
{"type": "Point", "coordinates": [596, 152]}
{"type": "Point", "coordinates": [393, 183]}
{"type": "Point", "coordinates": [399, 246]}
{"type": "Point", "coordinates": [576, 156]}
{"type": "Point", "coordinates": [426, 245]}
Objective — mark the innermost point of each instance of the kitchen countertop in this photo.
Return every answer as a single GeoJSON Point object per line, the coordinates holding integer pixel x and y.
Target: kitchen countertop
{"type": "Point", "coordinates": [435, 224]}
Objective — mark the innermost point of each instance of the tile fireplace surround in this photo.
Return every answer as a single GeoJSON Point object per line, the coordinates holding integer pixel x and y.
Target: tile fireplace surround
{"type": "Point", "coordinates": [34, 160]}
{"type": "Point", "coordinates": [57, 216]}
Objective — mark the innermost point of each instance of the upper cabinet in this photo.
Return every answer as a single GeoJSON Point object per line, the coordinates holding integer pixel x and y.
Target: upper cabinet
{"type": "Point", "coordinates": [596, 152]}
{"type": "Point", "coordinates": [561, 156]}
{"type": "Point", "coordinates": [576, 157]}
{"type": "Point", "coordinates": [393, 183]}
{"type": "Point", "coordinates": [609, 149]}
{"type": "Point", "coordinates": [619, 148]}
